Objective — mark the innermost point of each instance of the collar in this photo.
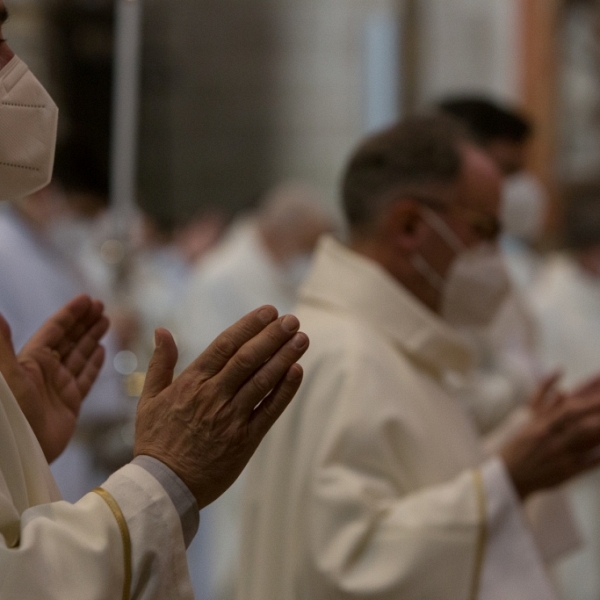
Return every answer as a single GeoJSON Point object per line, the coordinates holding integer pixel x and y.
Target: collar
{"type": "Point", "coordinates": [345, 280]}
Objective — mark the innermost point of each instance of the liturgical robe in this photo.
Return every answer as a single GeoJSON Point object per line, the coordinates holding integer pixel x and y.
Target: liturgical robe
{"type": "Point", "coordinates": [122, 541]}
{"type": "Point", "coordinates": [373, 485]}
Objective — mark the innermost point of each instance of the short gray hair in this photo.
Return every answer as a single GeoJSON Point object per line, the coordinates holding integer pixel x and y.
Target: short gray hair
{"type": "Point", "coordinates": [420, 150]}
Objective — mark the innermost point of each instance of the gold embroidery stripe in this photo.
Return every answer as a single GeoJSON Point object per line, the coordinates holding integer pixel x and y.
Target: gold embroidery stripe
{"type": "Point", "coordinates": [124, 529]}
{"type": "Point", "coordinates": [482, 534]}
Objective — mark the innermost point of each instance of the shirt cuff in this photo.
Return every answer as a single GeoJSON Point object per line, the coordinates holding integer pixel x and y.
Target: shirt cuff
{"type": "Point", "coordinates": [180, 495]}
{"type": "Point", "coordinates": [512, 566]}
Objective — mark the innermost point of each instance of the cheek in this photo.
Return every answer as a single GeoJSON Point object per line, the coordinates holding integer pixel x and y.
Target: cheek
{"type": "Point", "coordinates": [6, 54]}
{"type": "Point", "coordinates": [439, 256]}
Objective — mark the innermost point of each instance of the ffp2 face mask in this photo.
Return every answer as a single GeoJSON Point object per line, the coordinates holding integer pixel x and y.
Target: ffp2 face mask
{"type": "Point", "coordinates": [476, 284]}
{"type": "Point", "coordinates": [28, 128]}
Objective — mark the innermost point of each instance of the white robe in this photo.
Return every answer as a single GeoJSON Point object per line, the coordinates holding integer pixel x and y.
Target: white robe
{"type": "Point", "coordinates": [566, 303]}
{"type": "Point", "coordinates": [58, 551]}
{"type": "Point", "coordinates": [373, 484]}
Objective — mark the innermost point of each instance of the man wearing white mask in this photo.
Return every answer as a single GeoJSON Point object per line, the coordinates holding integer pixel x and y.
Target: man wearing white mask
{"type": "Point", "coordinates": [386, 492]}
{"type": "Point", "coordinates": [126, 539]}
{"type": "Point", "coordinates": [508, 369]}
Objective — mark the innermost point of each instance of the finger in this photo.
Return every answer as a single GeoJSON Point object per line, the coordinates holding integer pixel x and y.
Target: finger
{"type": "Point", "coordinates": [270, 374]}
{"type": "Point", "coordinates": [91, 370]}
{"type": "Point", "coordinates": [162, 364]}
{"type": "Point", "coordinates": [6, 346]}
{"type": "Point", "coordinates": [51, 332]}
{"type": "Point", "coordinates": [272, 407]}
{"type": "Point", "coordinates": [80, 327]}
{"type": "Point", "coordinates": [77, 358]}
{"type": "Point", "coordinates": [217, 355]}
{"type": "Point", "coordinates": [254, 354]}
{"type": "Point", "coordinates": [572, 413]}
{"type": "Point", "coordinates": [546, 391]}
{"type": "Point", "coordinates": [589, 387]}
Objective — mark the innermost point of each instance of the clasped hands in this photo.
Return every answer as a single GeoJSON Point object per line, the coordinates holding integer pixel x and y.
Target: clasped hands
{"type": "Point", "coordinates": [205, 425]}
{"type": "Point", "coordinates": [560, 440]}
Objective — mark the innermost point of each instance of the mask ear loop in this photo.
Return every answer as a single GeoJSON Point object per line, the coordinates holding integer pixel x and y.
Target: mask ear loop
{"type": "Point", "coordinates": [443, 230]}
{"type": "Point", "coordinates": [433, 278]}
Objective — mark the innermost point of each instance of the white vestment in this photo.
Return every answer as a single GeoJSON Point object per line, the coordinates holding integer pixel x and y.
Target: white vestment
{"type": "Point", "coordinates": [374, 484]}
{"type": "Point", "coordinates": [566, 303]}
{"type": "Point", "coordinates": [54, 550]}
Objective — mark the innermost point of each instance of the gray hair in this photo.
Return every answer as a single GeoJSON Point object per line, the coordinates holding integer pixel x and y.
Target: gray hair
{"type": "Point", "coordinates": [420, 150]}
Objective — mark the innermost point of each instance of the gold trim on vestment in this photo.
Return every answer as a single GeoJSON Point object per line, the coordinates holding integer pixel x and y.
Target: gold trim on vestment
{"type": "Point", "coordinates": [482, 534]}
{"type": "Point", "coordinates": [125, 537]}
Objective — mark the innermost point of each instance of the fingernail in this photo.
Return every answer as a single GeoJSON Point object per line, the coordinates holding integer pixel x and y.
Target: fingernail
{"type": "Point", "coordinates": [290, 323]}
{"type": "Point", "coordinates": [265, 315]}
{"type": "Point", "coordinates": [156, 339]}
{"type": "Point", "coordinates": [294, 374]}
{"type": "Point", "coordinates": [300, 341]}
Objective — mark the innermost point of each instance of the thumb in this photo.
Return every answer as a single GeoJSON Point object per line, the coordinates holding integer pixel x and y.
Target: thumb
{"type": "Point", "coordinates": [7, 350]}
{"type": "Point", "coordinates": [162, 364]}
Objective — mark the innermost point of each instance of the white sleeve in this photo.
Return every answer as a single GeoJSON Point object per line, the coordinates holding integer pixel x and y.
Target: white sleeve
{"type": "Point", "coordinates": [466, 538]}
{"type": "Point", "coordinates": [158, 561]}
{"type": "Point", "coordinates": [367, 541]}
{"type": "Point", "coordinates": [512, 566]}
{"type": "Point", "coordinates": [122, 541]}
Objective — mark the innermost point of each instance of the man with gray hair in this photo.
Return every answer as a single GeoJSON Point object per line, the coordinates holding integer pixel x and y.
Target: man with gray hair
{"type": "Point", "coordinates": [387, 492]}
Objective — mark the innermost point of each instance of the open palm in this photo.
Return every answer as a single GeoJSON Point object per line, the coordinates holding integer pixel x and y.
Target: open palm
{"type": "Point", "coordinates": [53, 373]}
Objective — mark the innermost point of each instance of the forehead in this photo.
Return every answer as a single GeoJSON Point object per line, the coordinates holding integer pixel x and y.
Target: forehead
{"type": "Point", "coordinates": [480, 181]}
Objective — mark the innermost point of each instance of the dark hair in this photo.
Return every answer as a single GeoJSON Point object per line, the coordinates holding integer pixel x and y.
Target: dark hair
{"type": "Point", "coordinates": [418, 151]}
{"type": "Point", "coordinates": [487, 120]}
{"type": "Point", "coordinates": [582, 219]}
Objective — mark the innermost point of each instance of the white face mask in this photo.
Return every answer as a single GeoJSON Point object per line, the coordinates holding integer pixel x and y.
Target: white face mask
{"type": "Point", "coordinates": [476, 284]}
{"type": "Point", "coordinates": [28, 126]}
{"type": "Point", "coordinates": [524, 206]}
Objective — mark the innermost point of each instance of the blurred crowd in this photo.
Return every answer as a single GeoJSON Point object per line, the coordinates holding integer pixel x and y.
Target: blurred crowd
{"type": "Point", "coordinates": [198, 277]}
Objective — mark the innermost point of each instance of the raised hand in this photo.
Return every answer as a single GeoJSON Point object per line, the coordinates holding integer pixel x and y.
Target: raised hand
{"type": "Point", "coordinates": [561, 439]}
{"type": "Point", "coordinates": [55, 370]}
{"type": "Point", "coordinates": [207, 424]}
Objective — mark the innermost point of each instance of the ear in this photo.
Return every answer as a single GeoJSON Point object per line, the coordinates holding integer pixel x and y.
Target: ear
{"type": "Point", "coordinates": [404, 225]}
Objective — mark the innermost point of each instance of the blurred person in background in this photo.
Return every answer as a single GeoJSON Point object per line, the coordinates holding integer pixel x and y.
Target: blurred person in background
{"type": "Point", "coordinates": [387, 491]}
{"type": "Point", "coordinates": [263, 258]}
{"type": "Point", "coordinates": [504, 132]}
{"type": "Point", "coordinates": [33, 258]}
{"type": "Point", "coordinates": [566, 303]}
{"type": "Point", "coordinates": [164, 255]}
{"type": "Point", "coordinates": [508, 367]}
{"type": "Point", "coordinates": [193, 435]}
